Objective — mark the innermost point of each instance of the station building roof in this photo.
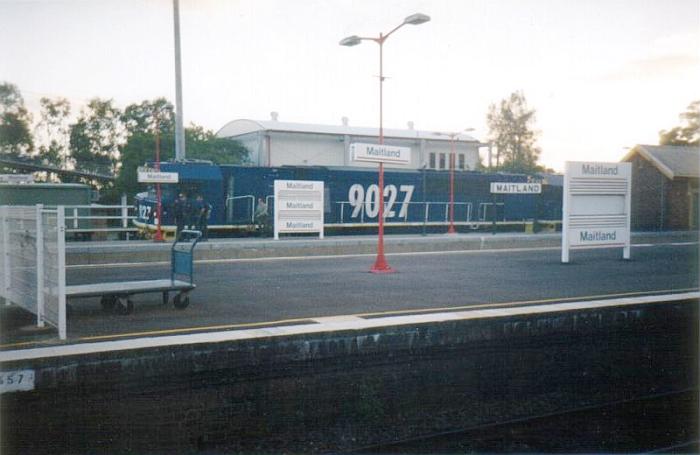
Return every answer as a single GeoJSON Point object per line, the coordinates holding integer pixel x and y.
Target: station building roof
{"type": "Point", "coordinates": [671, 160]}
{"type": "Point", "coordinates": [245, 126]}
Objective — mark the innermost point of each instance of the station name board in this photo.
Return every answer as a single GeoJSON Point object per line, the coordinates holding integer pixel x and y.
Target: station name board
{"type": "Point", "coordinates": [515, 188]}
{"type": "Point", "coordinates": [596, 206]}
{"type": "Point", "coordinates": [375, 153]}
{"type": "Point", "coordinates": [298, 207]}
{"type": "Point", "coordinates": [603, 236]}
{"type": "Point", "coordinates": [147, 175]}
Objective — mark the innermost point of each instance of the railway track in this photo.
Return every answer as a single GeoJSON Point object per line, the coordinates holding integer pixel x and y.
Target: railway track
{"type": "Point", "coordinates": [658, 423]}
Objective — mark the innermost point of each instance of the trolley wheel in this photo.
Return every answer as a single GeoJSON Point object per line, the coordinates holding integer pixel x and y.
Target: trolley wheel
{"type": "Point", "coordinates": [124, 306]}
{"type": "Point", "coordinates": [108, 302]}
{"type": "Point", "coordinates": [166, 297]}
{"type": "Point", "coordinates": [181, 301]}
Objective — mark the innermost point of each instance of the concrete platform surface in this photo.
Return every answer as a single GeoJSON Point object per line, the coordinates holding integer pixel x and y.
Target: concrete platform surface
{"type": "Point", "coordinates": [80, 253]}
{"type": "Point", "coordinates": [236, 294]}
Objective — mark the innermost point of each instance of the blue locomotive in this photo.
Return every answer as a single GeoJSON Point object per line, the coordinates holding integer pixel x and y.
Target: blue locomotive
{"type": "Point", "coordinates": [413, 198]}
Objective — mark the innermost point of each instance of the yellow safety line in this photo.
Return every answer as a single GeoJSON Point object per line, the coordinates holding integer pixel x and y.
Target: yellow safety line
{"type": "Point", "coordinates": [521, 303]}
{"type": "Point", "coordinates": [358, 315]}
{"type": "Point", "coordinates": [195, 329]}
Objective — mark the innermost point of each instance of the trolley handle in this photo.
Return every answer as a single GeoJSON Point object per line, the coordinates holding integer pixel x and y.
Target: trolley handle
{"type": "Point", "coordinates": [185, 236]}
{"type": "Point", "coordinates": [181, 260]}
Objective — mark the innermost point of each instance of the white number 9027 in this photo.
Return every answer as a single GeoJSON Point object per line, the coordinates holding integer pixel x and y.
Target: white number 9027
{"type": "Point", "coordinates": [360, 199]}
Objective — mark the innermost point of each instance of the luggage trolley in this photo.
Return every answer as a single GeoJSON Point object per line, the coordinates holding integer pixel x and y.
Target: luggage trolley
{"type": "Point", "coordinates": [115, 296]}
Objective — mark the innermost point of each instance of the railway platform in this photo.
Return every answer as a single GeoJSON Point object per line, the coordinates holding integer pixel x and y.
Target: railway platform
{"type": "Point", "coordinates": [310, 353]}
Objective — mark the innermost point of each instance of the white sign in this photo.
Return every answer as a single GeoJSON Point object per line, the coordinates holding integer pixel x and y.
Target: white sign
{"type": "Point", "coordinates": [146, 175]}
{"type": "Point", "coordinates": [299, 207]}
{"type": "Point", "coordinates": [13, 381]}
{"type": "Point", "coordinates": [515, 188]}
{"type": "Point", "coordinates": [16, 178]}
{"type": "Point", "coordinates": [596, 206]}
{"type": "Point", "coordinates": [375, 153]}
{"type": "Point", "coordinates": [598, 236]}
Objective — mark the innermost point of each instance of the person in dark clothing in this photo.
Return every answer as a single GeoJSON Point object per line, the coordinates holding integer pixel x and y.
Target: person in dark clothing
{"type": "Point", "coordinates": [201, 211]}
{"type": "Point", "coordinates": [180, 213]}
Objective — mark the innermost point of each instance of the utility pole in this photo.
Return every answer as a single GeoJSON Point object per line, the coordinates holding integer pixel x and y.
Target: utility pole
{"type": "Point", "coordinates": [179, 131]}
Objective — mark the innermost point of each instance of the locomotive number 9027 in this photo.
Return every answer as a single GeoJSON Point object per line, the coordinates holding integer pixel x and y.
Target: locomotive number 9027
{"type": "Point", "coordinates": [368, 201]}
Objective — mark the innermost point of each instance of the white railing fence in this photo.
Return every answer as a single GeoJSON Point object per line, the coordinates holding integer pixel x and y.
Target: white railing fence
{"type": "Point", "coordinates": [97, 220]}
{"type": "Point", "coordinates": [32, 265]}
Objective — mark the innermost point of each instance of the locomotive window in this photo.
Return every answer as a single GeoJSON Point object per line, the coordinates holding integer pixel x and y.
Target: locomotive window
{"type": "Point", "coordinates": [431, 162]}
{"type": "Point", "coordinates": [461, 161]}
{"type": "Point", "coordinates": [442, 161]}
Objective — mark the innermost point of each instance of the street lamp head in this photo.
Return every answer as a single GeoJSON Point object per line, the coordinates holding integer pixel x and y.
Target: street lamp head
{"type": "Point", "coordinates": [353, 40]}
{"type": "Point", "coordinates": [416, 19]}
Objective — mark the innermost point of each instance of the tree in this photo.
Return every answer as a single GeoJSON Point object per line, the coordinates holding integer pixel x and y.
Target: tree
{"type": "Point", "coordinates": [511, 132]}
{"type": "Point", "coordinates": [204, 145]}
{"type": "Point", "coordinates": [52, 131]}
{"type": "Point", "coordinates": [141, 123]}
{"type": "Point", "coordinates": [149, 116]}
{"type": "Point", "coordinates": [15, 134]}
{"type": "Point", "coordinates": [95, 137]}
{"type": "Point", "coordinates": [686, 134]}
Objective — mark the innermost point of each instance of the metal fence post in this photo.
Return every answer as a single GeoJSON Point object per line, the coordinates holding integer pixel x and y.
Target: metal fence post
{"type": "Point", "coordinates": [125, 215]}
{"type": "Point", "coordinates": [61, 243]}
{"type": "Point", "coordinates": [125, 212]}
{"type": "Point", "coordinates": [39, 265]}
{"type": "Point", "coordinates": [6, 254]}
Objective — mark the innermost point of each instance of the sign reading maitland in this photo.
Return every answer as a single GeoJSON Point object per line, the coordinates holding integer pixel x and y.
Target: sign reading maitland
{"type": "Point", "coordinates": [515, 188]}
{"type": "Point", "coordinates": [299, 207]}
{"type": "Point", "coordinates": [596, 206]}
{"type": "Point", "coordinates": [376, 153]}
{"type": "Point", "coordinates": [148, 175]}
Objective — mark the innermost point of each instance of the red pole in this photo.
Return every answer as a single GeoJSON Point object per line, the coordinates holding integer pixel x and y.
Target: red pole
{"type": "Point", "coordinates": [451, 229]}
{"type": "Point", "coordinates": [381, 265]}
{"type": "Point", "coordinates": [159, 207]}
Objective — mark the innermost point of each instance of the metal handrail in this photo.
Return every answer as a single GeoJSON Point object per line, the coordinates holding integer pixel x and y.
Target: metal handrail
{"type": "Point", "coordinates": [124, 215]}
{"type": "Point", "coordinates": [252, 204]}
{"type": "Point", "coordinates": [427, 205]}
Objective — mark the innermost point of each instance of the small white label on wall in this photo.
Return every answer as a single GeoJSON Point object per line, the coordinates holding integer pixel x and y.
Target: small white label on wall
{"type": "Point", "coordinates": [14, 381]}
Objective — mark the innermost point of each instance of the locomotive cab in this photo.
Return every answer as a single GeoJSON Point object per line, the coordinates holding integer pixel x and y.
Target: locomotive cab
{"type": "Point", "coordinates": [194, 178]}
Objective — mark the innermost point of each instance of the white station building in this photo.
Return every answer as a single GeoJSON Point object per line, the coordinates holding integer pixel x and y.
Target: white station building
{"type": "Point", "coordinates": [274, 143]}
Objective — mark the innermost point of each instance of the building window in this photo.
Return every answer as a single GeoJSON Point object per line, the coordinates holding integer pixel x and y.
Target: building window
{"type": "Point", "coordinates": [442, 161]}
{"type": "Point", "coordinates": [461, 161]}
{"type": "Point", "coordinates": [431, 162]}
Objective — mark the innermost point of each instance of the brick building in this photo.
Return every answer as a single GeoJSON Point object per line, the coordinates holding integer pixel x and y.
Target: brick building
{"type": "Point", "coordinates": [664, 187]}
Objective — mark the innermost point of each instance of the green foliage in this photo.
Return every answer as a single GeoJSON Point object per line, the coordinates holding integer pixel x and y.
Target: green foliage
{"type": "Point", "coordinates": [153, 121]}
{"type": "Point", "coordinates": [511, 132]}
{"type": "Point", "coordinates": [686, 134]}
{"type": "Point", "coordinates": [95, 137]}
{"type": "Point", "coordinates": [149, 116]}
{"type": "Point", "coordinates": [15, 134]}
{"type": "Point", "coordinates": [105, 139]}
{"type": "Point", "coordinates": [204, 145]}
{"type": "Point", "coordinates": [52, 131]}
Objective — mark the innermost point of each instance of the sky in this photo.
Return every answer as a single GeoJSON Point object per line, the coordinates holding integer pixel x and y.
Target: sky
{"type": "Point", "coordinates": [602, 75]}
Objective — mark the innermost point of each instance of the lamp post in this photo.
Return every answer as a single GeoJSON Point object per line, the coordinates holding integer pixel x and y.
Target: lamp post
{"type": "Point", "coordinates": [453, 136]}
{"type": "Point", "coordinates": [180, 153]}
{"type": "Point", "coordinates": [159, 204]}
{"type": "Point", "coordinates": [381, 265]}
{"type": "Point", "coordinates": [424, 167]}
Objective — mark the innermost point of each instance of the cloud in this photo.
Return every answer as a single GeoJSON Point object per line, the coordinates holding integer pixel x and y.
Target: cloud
{"type": "Point", "coordinates": [668, 66]}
